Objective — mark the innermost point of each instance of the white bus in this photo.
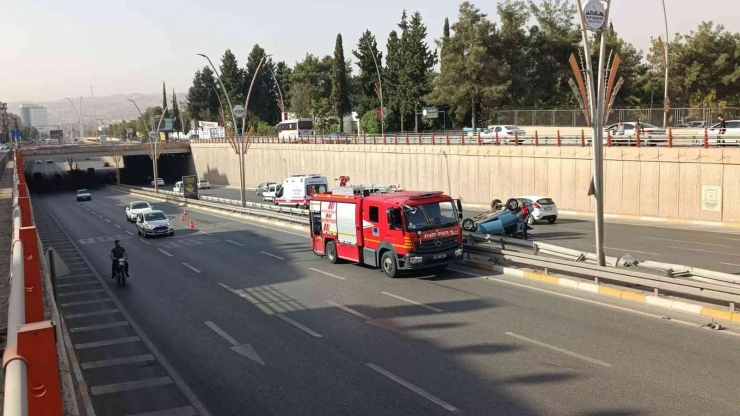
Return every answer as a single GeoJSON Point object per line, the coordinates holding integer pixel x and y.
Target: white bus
{"type": "Point", "coordinates": [294, 128]}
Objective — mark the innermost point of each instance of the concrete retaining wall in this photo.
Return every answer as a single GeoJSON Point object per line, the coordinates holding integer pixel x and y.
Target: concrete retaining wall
{"type": "Point", "coordinates": [640, 181]}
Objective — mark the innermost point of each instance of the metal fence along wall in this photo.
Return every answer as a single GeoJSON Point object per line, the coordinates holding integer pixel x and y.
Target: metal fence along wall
{"type": "Point", "coordinates": [576, 117]}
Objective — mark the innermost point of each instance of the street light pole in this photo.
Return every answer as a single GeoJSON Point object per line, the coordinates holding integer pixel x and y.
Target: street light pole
{"type": "Point", "coordinates": [597, 115]}
{"type": "Point", "coordinates": [380, 89]}
{"type": "Point", "coordinates": [242, 140]}
{"type": "Point", "coordinates": [665, 97]}
{"type": "Point", "coordinates": [155, 156]}
{"type": "Point", "coordinates": [282, 103]}
{"type": "Point", "coordinates": [78, 115]}
{"type": "Point", "coordinates": [95, 112]}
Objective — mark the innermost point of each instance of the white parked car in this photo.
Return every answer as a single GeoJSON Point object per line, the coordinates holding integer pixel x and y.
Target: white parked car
{"type": "Point", "coordinates": [178, 187]}
{"type": "Point", "coordinates": [150, 223]}
{"type": "Point", "coordinates": [160, 182]}
{"type": "Point", "coordinates": [135, 208]}
{"type": "Point", "coordinates": [83, 195]}
{"type": "Point", "coordinates": [506, 134]}
{"type": "Point", "coordinates": [543, 208]}
{"type": "Point", "coordinates": [732, 128]}
{"type": "Point", "coordinates": [263, 187]}
{"type": "Point", "coordinates": [204, 184]}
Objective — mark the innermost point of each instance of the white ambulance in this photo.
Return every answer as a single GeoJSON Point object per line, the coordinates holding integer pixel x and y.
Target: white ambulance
{"type": "Point", "coordinates": [297, 189]}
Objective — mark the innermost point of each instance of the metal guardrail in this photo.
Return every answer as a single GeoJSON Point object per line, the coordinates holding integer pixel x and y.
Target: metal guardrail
{"type": "Point", "coordinates": [258, 210]}
{"type": "Point", "coordinates": [32, 383]}
{"type": "Point", "coordinates": [706, 284]}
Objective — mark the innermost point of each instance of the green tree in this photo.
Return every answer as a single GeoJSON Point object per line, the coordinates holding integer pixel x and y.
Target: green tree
{"type": "Point", "coordinates": [164, 100]}
{"type": "Point", "coordinates": [367, 55]}
{"type": "Point", "coordinates": [397, 82]}
{"type": "Point", "coordinates": [339, 88]}
{"type": "Point", "coordinates": [370, 123]}
{"type": "Point", "coordinates": [631, 68]}
{"type": "Point", "coordinates": [203, 103]}
{"type": "Point", "coordinates": [310, 81]}
{"type": "Point", "coordinates": [263, 103]}
{"type": "Point", "coordinates": [233, 78]}
{"type": "Point", "coordinates": [177, 122]}
{"type": "Point", "coordinates": [474, 75]}
{"type": "Point", "coordinates": [420, 63]}
{"type": "Point", "coordinates": [282, 74]}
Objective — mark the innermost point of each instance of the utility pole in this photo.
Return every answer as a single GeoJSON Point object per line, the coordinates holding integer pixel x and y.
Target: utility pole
{"type": "Point", "coordinates": [95, 112]}
{"type": "Point", "coordinates": [380, 89]}
{"type": "Point", "coordinates": [666, 101]}
{"type": "Point", "coordinates": [79, 118]}
{"type": "Point", "coordinates": [4, 130]}
{"type": "Point", "coordinates": [595, 17]}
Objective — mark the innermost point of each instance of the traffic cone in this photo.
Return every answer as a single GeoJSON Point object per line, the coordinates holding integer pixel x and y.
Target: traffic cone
{"type": "Point", "coordinates": [184, 211]}
{"type": "Point", "coordinates": [192, 224]}
{"type": "Point", "coordinates": [182, 217]}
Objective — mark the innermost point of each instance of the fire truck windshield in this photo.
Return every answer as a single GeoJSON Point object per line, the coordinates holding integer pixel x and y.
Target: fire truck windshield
{"type": "Point", "coordinates": [431, 215]}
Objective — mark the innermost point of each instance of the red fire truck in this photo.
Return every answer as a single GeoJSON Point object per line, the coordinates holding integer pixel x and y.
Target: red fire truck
{"type": "Point", "coordinates": [396, 231]}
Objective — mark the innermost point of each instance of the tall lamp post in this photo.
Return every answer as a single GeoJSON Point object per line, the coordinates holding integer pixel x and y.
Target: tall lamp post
{"type": "Point", "coordinates": [380, 89]}
{"type": "Point", "coordinates": [78, 115]}
{"type": "Point", "coordinates": [666, 102]}
{"type": "Point", "coordinates": [153, 146]}
{"type": "Point", "coordinates": [595, 17]}
{"type": "Point", "coordinates": [243, 140]}
{"type": "Point", "coordinates": [95, 112]}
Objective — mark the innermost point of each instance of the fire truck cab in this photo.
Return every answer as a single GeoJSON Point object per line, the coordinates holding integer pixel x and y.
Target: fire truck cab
{"type": "Point", "coordinates": [396, 231]}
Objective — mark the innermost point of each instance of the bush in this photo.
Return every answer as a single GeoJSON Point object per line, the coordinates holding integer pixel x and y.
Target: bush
{"type": "Point", "coordinates": [265, 129]}
{"type": "Point", "coordinates": [370, 123]}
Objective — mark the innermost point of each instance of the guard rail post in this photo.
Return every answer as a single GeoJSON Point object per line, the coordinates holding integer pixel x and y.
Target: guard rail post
{"type": "Point", "coordinates": [670, 138]}
{"type": "Point", "coordinates": [375, 139]}
{"type": "Point", "coordinates": [395, 137]}
{"type": "Point", "coordinates": [608, 138]}
{"type": "Point", "coordinates": [583, 138]}
{"type": "Point", "coordinates": [37, 345]}
{"type": "Point", "coordinates": [432, 138]}
{"type": "Point", "coordinates": [559, 140]}
{"type": "Point", "coordinates": [536, 138]}
{"type": "Point", "coordinates": [32, 274]}
{"type": "Point", "coordinates": [364, 138]}
{"type": "Point", "coordinates": [637, 137]}
{"type": "Point", "coordinates": [516, 138]}
{"type": "Point", "coordinates": [706, 138]}
{"type": "Point", "coordinates": [462, 138]}
{"type": "Point", "coordinates": [419, 138]}
{"type": "Point", "coordinates": [478, 138]}
{"type": "Point", "coordinates": [497, 142]}
{"type": "Point", "coordinates": [448, 138]}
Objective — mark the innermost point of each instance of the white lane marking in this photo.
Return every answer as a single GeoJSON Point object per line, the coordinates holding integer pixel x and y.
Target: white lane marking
{"type": "Point", "coordinates": [129, 232]}
{"type": "Point", "coordinates": [107, 220]}
{"type": "Point", "coordinates": [272, 255]}
{"type": "Point", "coordinates": [96, 313]}
{"type": "Point", "coordinates": [101, 326]}
{"type": "Point", "coordinates": [413, 388]}
{"type": "Point", "coordinates": [99, 216]}
{"type": "Point", "coordinates": [118, 361]}
{"type": "Point", "coordinates": [191, 267]}
{"type": "Point", "coordinates": [673, 240]}
{"type": "Point", "coordinates": [165, 253]}
{"type": "Point", "coordinates": [107, 342]}
{"type": "Point", "coordinates": [93, 212]}
{"type": "Point", "coordinates": [328, 274]}
{"type": "Point", "coordinates": [145, 242]}
{"type": "Point", "coordinates": [560, 350]}
{"type": "Point", "coordinates": [730, 264]}
{"type": "Point", "coordinates": [352, 311]}
{"type": "Point", "coordinates": [235, 243]}
{"type": "Point", "coordinates": [431, 308]}
{"type": "Point", "coordinates": [94, 282]}
{"type": "Point", "coordinates": [699, 250]}
{"type": "Point", "coordinates": [627, 250]}
{"type": "Point", "coordinates": [221, 332]}
{"type": "Point", "coordinates": [117, 226]}
{"type": "Point", "coordinates": [179, 411]}
{"type": "Point", "coordinates": [299, 326]}
{"type": "Point", "coordinates": [464, 272]}
{"type": "Point", "coordinates": [85, 302]}
{"type": "Point", "coordinates": [83, 292]}
{"type": "Point", "coordinates": [130, 385]}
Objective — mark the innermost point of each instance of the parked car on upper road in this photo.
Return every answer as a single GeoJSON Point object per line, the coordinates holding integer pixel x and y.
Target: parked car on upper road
{"type": "Point", "coordinates": [135, 208]}
{"type": "Point", "coordinates": [160, 182]}
{"type": "Point", "coordinates": [150, 223]}
{"type": "Point", "coordinates": [543, 208]}
{"type": "Point", "coordinates": [732, 128]}
{"type": "Point", "coordinates": [506, 134]}
{"type": "Point", "coordinates": [38, 162]}
{"type": "Point", "coordinates": [339, 137]}
{"type": "Point", "coordinates": [263, 187]}
{"type": "Point", "coordinates": [49, 161]}
{"type": "Point", "coordinates": [84, 195]}
{"type": "Point", "coordinates": [204, 184]}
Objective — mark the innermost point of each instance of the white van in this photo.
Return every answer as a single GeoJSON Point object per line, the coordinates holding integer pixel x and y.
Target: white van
{"type": "Point", "coordinates": [178, 187]}
{"type": "Point", "coordinates": [297, 189]}
{"type": "Point", "coordinates": [269, 193]}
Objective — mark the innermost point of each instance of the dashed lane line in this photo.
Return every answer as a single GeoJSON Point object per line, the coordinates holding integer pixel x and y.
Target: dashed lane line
{"type": "Point", "coordinates": [272, 255]}
{"type": "Point", "coordinates": [191, 267]}
{"type": "Point", "coordinates": [235, 243]}
{"type": "Point", "coordinates": [299, 326]}
{"type": "Point", "coordinates": [558, 349]}
{"type": "Point", "coordinates": [327, 274]}
{"type": "Point", "coordinates": [418, 390]}
{"type": "Point", "coordinates": [413, 302]}
{"type": "Point", "coordinates": [165, 253]}
{"type": "Point", "coordinates": [352, 311]}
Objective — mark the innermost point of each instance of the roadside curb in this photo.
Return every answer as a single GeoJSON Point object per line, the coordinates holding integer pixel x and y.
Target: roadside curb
{"type": "Point", "coordinates": [686, 307]}
{"type": "Point", "coordinates": [665, 220]}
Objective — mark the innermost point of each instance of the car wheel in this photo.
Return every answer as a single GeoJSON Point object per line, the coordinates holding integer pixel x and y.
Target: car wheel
{"type": "Point", "coordinates": [172, 233]}
{"type": "Point", "coordinates": [388, 263]}
{"type": "Point", "coordinates": [331, 252]}
{"type": "Point", "coordinates": [530, 220]}
{"type": "Point", "coordinates": [512, 205]}
{"type": "Point", "coordinates": [468, 224]}
{"type": "Point", "coordinates": [552, 220]}
{"type": "Point", "coordinates": [138, 232]}
{"type": "Point", "coordinates": [495, 203]}
{"type": "Point", "coordinates": [146, 235]}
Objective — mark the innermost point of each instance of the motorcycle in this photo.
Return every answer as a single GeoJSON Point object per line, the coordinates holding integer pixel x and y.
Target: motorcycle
{"type": "Point", "coordinates": [121, 272]}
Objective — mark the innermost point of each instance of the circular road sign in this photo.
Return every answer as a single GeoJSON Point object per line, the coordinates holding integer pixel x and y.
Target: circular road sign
{"type": "Point", "coordinates": [238, 111]}
{"type": "Point", "coordinates": [153, 135]}
{"type": "Point", "coordinates": [594, 14]}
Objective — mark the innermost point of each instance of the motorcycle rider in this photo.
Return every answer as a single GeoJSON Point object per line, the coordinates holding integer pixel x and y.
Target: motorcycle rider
{"type": "Point", "coordinates": [118, 252]}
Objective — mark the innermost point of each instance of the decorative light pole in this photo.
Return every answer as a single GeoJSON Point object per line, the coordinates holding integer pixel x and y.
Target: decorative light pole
{"type": "Point", "coordinates": [666, 101]}
{"type": "Point", "coordinates": [153, 137]}
{"type": "Point", "coordinates": [380, 89]}
{"type": "Point", "coordinates": [595, 17]}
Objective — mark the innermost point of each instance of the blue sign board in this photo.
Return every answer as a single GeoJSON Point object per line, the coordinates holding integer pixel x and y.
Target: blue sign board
{"type": "Point", "coordinates": [15, 135]}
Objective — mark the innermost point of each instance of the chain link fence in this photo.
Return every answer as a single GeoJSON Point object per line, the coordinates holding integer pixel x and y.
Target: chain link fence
{"type": "Point", "coordinates": [577, 117]}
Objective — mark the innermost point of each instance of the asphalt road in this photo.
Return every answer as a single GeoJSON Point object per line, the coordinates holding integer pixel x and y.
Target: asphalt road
{"type": "Point", "coordinates": [254, 323]}
{"type": "Point", "coordinates": [698, 246]}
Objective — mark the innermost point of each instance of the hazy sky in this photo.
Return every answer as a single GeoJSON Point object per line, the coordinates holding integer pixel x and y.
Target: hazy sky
{"type": "Point", "coordinates": [50, 49]}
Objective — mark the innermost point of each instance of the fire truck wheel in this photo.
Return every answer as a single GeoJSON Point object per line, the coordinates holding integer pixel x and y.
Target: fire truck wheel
{"type": "Point", "coordinates": [468, 224]}
{"type": "Point", "coordinates": [331, 252]}
{"type": "Point", "coordinates": [388, 263]}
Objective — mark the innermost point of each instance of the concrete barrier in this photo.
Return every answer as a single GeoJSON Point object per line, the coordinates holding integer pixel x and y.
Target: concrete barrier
{"type": "Point", "coordinates": [654, 182]}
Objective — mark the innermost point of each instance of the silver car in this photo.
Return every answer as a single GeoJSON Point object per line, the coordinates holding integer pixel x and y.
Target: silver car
{"type": "Point", "coordinates": [151, 223]}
